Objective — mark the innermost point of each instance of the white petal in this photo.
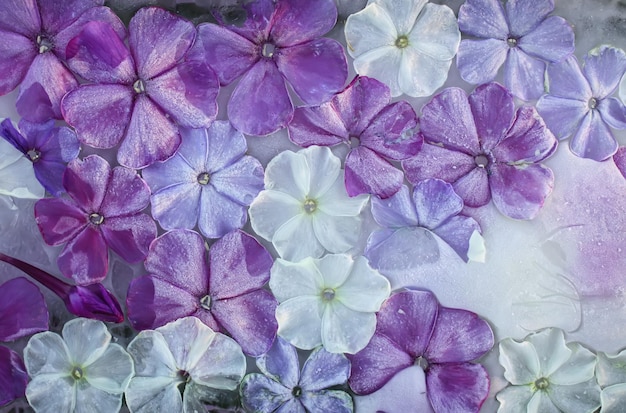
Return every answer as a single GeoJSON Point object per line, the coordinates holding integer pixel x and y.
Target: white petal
{"type": "Point", "coordinates": [520, 361]}
{"type": "Point", "coordinates": [579, 398]}
{"type": "Point", "coordinates": [336, 201]}
{"type": "Point", "coordinates": [365, 289]}
{"type": "Point", "coordinates": [153, 394]}
{"type": "Point", "coordinates": [403, 13]}
{"type": "Point", "coordinates": [188, 339]}
{"type": "Point", "coordinates": [296, 240]}
{"type": "Point", "coordinates": [112, 371]}
{"type": "Point", "coordinates": [337, 234]}
{"type": "Point", "coordinates": [541, 403]}
{"type": "Point", "coordinates": [222, 365]}
{"type": "Point", "coordinates": [151, 355]}
{"type": "Point", "coordinates": [325, 168]}
{"type": "Point", "coordinates": [289, 279]}
{"type": "Point", "coordinates": [288, 172]}
{"type": "Point", "coordinates": [369, 29]}
{"type": "Point", "coordinates": [46, 353]}
{"type": "Point", "coordinates": [514, 399]}
{"type": "Point", "coordinates": [436, 33]}
{"type": "Point", "coordinates": [613, 399]}
{"type": "Point", "coordinates": [86, 340]}
{"type": "Point", "coordinates": [477, 251]}
{"type": "Point", "coordinates": [383, 64]}
{"type": "Point", "coordinates": [551, 349]}
{"type": "Point", "coordinates": [345, 330]}
{"type": "Point", "coordinates": [300, 321]}
{"type": "Point", "coordinates": [49, 393]}
{"type": "Point", "coordinates": [270, 210]}
{"type": "Point", "coordinates": [17, 176]}
{"type": "Point", "coordinates": [611, 370]}
{"type": "Point", "coordinates": [334, 269]}
{"type": "Point", "coordinates": [580, 367]}
{"type": "Point", "coordinates": [421, 74]}
{"type": "Point", "coordinates": [92, 400]}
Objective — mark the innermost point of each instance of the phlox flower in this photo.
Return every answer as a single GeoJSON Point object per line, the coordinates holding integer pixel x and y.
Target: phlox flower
{"type": "Point", "coordinates": [611, 375]}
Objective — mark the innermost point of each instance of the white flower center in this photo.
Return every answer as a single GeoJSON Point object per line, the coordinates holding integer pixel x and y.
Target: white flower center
{"type": "Point", "coordinates": [593, 103]}
{"type": "Point", "coordinates": [205, 302]}
{"type": "Point", "coordinates": [541, 384]}
{"type": "Point", "coordinates": [402, 42]}
{"type": "Point", "coordinates": [328, 294]}
{"type": "Point", "coordinates": [139, 86]}
{"type": "Point", "coordinates": [77, 373]}
{"type": "Point", "coordinates": [34, 155]}
{"type": "Point", "coordinates": [268, 50]}
{"type": "Point", "coordinates": [96, 218]}
{"type": "Point", "coordinates": [44, 44]}
{"type": "Point", "coordinates": [204, 178]}
{"type": "Point", "coordinates": [309, 206]}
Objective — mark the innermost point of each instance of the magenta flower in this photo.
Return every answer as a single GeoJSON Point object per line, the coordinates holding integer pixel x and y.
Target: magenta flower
{"type": "Point", "coordinates": [225, 292]}
{"type": "Point", "coordinates": [33, 38]}
{"type": "Point", "coordinates": [13, 376]}
{"type": "Point", "coordinates": [278, 44]}
{"type": "Point", "coordinates": [140, 95]}
{"type": "Point", "coordinates": [210, 181]}
{"type": "Point", "coordinates": [362, 115]}
{"type": "Point", "coordinates": [49, 148]}
{"type": "Point", "coordinates": [486, 150]}
{"type": "Point", "coordinates": [413, 329]}
{"type": "Point", "coordinates": [103, 211]}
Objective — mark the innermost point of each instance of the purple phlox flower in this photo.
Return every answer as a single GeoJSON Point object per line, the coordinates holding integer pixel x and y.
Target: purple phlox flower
{"type": "Point", "coordinates": [209, 182]}
{"type": "Point", "coordinates": [279, 44]}
{"type": "Point", "coordinates": [413, 222]}
{"type": "Point", "coordinates": [519, 34]}
{"type": "Point", "coordinates": [33, 38]}
{"type": "Point", "coordinates": [49, 148]}
{"type": "Point", "coordinates": [620, 160]}
{"type": "Point", "coordinates": [90, 301]}
{"type": "Point", "coordinates": [362, 116]}
{"type": "Point", "coordinates": [283, 387]}
{"type": "Point", "coordinates": [103, 211]}
{"type": "Point", "coordinates": [486, 150]}
{"type": "Point", "coordinates": [413, 329]}
{"type": "Point", "coordinates": [13, 376]}
{"type": "Point", "coordinates": [579, 102]}
{"type": "Point", "coordinates": [225, 292]}
{"type": "Point", "coordinates": [141, 92]}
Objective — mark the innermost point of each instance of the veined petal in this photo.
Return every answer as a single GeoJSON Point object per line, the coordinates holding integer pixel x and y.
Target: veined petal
{"type": "Point", "coordinates": [360, 103]}
{"type": "Point", "coordinates": [613, 112]}
{"type": "Point", "coordinates": [85, 258]}
{"type": "Point", "coordinates": [59, 220]}
{"type": "Point", "coordinates": [603, 67]}
{"type": "Point", "coordinates": [225, 145]}
{"type": "Point", "coordinates": [566, 80]}
{"type": "Point", "coordinates": [479, 60]}
{"type": "Point", "coordinates": [483, 18]}
{"type": "Point", "coordinates": [149, 394]}
{"type": "Point", "coordinates": [126, 194]}
{"type": "Point", "coordinates": [176, 206]}
{"type": "Point", "coordinates": [552, 40]}
{"type": "Point", "coordinates": [300, 321]}
{"type": "Point", "coordinates": [455, 387]}
{"type": "Point", "coordinates": [280, 364]}
{"type": "Point", "coordinates": [612, 398]}
{"type": "Point", "coordinates": [474, 188]}
{"type": "Point", "coordinates": [524, 75]}
{"type": "Point", "coordinates": [93, 399]}
{"type": "Point", "coordinates": [324, 369]}
{"type": "Point", "coordinates": [50, 393]}
{"type": "Point", "coordinates": [377, 64]}
{"type": "Point", "coordinates": [327, 401]}
{"type": "Point", "coordinates": [317, 125]}
{"type": "Point", "coordinates": [87, 181]}
{"type": "Point", "coordinates": [23, 308]}
{"type": "Point", "coordinates": [520, 361]}
{"type": "Point", "coordinates": [17, 177]}
{"type": "Point", "coordinates": [345, 330]}
{"type": "Point", "coordinates": [84, 351]}
{"type": "Point", "coordinates": [551, 349]}
{"type": "Point", "coordinates": [620, 160]}
{"type": "Point", "coordinates": [334, 269]}
{"type": "Point", "coordinates": [610, 369]}
{"type": "Point", "coordinates": [312, 20]}
{"type": "Point", "coordinates": [525, 16]}
{"type": "Point", "coordinates": [47, 354]}
{"type": "Point", "coordinates": [219, 214]}
{"type": "Point", "coordinates": [365, 289]}
{"type": "Point", "coordinates": [435, 202]}
{"type": "Point", "coordinates": [368, 173]}
{"type": "Point", "coordinates": [583, 397]}
{"type": "Point", "coordinates": [404, 14]}
{"type": "Point", "coordinates": [396, 211]}
{"type": "Point", "coordinates": [562, 115]}
{"type": "Point", "coordinates": [407, 248]}
{"type": "Point", "coordinates": [23, 12]}
{"type": "Point", "coordinates": [421, 74]}
{"type": "Point", "coordinates": [261, 393]}
{"type": "Point", "coordinates": [594, 139]}
{"type": "Point", "coordinates": [433, 161]}
{"type": "Point", "coordinates": [436, 32]}
{"type": "Point", "coordinates": [55, 16]}
{"type": "Point", "coordinates": [392, 132]}
{"type": "Point", "coordinates": [130, 236]}
{"type": "Point", "coordinates": [17, 53]}
{"type": "Point", "coordinates": [514, 399]}
{"type": "Point", "coordinates": [580, 367]}
{"type": "Point", "coordinates": [112, 371]}
{"type": "Point", "coordinates": [460, 232]}
{"type": "Point", "coordinates": [294, 279]}
{"type": "Point", "coordinates": [153, 359]}
{"type": "Point", "coordinates": [370, 29]}
{"type": "Point", "coordinates": [296, 239]}
{"type": "Point", "coordinates": [324, 169]}
{"type": "Point", "coordinates": [492, 125]}
{"type": "Point", "coordinates": [290, 173]}
{"type": "Point", "coordinates": [270, 210]}
{"type": "Point", "coordinates": [336, 233]}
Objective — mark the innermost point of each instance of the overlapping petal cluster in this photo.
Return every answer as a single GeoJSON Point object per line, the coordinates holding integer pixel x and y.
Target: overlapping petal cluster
{"type": "Point", "coordinates": [611, 375]}
{"type": "Point", "coordinates": [17, 177]}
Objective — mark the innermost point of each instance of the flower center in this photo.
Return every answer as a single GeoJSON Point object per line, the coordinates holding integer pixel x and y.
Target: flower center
{"type": "Point", "coordinates": [354, 142]}
{"type": "Point", "coordinates": [296, 391]}
{"type": "Point", "coordinates": [184, 378]}
{"type": "Point", "coordinates": [310, 206]}
{"type": "Point", "coordinates": [422, 363]}
{"type": "Point", "coordinates": [593, 103]}
{"type": "Point", "coordinates": [542, 383]}
{"type": "Point", "coordinates": [328, 294]}
{"type": "Point", "coordinates": [482, 161]}
{"type": "Point", "coordinates": [77, 373]}
{"type": "Point", "coordinates": [204, 178]}
{"type": "Point", "coordinates": [205, 302]}
{"type": "Point", "coordinates": [402, 42]}
{"type": "Point", "coordinates": [34, 155]}
{"type": "Point", "coordinates": [512, 42]}
{"type": "Point", "coordinates": [96, 218]}
{"type": "Point", "coordinates": [268, 50]}
{"type": "Point", "coordinates": [139, 86]}
{"type": "Point", "coordinates": [44, 44]}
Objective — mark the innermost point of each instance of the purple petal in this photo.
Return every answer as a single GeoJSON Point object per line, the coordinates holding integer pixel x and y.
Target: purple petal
{"type": "Point", "coordinates": [474, 188]}
{"type": "Point", "coordinates": [435, 202]}
{"type": "Point", "coordinates": [99, 113]}
{"type": "Point", "coordinates": [367, 173]}
{"type": "Point", "coordinates": [594, 139]}
{"type": "Point", "coordinates": [524, 75]}
{"type": "Point", "coordinates": [228, 54]}
{"type": "Point", "coordinates": [219, 214]}
{"type": "Point", "coordinates": [99, 55]}
{"type": "Point", "coordinates": [61, 146]}
{"type": "Point", "coordinates": [620, 160]}
{"type": "Point", "coordinates": [255, 25]}
{"type": "Point", "coordinates": [151, 136]}
{"type": "Point", "coordinates": [22, 308]}
{"type": "Point", "coordinates": [483, 18]}
{"type": "Point", "coordinates": [391, 133]}
{"type": "Point", "coordinates": [177, 205]}
{"type": "Point", "coordinates": [525, 15]}
{"type": "Point", "coordinates": [249, 319]}
{"type": "Point", "coordinates": [603, 67]}
{"type": "Point", "coordinates": [552, 40]}
{"type": "Point", "coordinates": [86, 181]}
{"type": "Point", "coordinates": [57, 15]}
{"type": "Point", "coordinates": [129, 236]}
{"type": "Point", "coordinates": [447, 119]}
{"type": "Point", "coordinates": [457, 387]}
{"type": "Point", "coordinates": [479, 60]}
{"type": "Point", "coordinates": [323, 370]}
{"type": "Point", "coordinates": [566, 80]}
{"type": "Point", "coordinates": [396, 211]}
{"type": "Point", "coordinates": [327, 401]}
{"type": "Point", "coordinates": [281, 363]}
{"type": "Point", "coordinates": [260, 103]}
{"type": "Point", "coordinates": [188, 92]}
{"type": "Point", "coordinates": [14, 137]}
{"type": "Point", "coordinates": [260, 393]}
{"type": "Point", "coordinates": [59, 220]}
{"type": "Point", "coordinates": [519, 193]}
{"type": "Point", "coordinates": [298, 21]}
{"type": "Point", "coordinates": [456, 232]}
{"type": "Point", "coordinates": [378, 362]}
{"type": "Point", "coordinates": [491, 124]}
{"type": "Point", "coordinates": [241, 181]}
{"type": "Point", "coordinates": [158, 39]}
{"type": "Point", "coordinates": [13, 376]}
{"type": "Point", "coordinates": [390, 251]}
{"type": "Point", "coordinates": [613, 112]}
{"type": "Point", "coordinates": [126, 193]}
{"type": "Point", "coordinates": [17, 54]}
{"type": "Point", "coordinates": [239, 264]}
{"type": "Point", "coordinates": [85, 258]}
{"type": "Point", "coordinates": [436, 162]}
{"type": "Point", "coordinates": [360, 102]}
{"type": "Point", "coordinates": [316, 70]}
{"type": "Point", "coordinates": [94, 301]}
{"type": "Point", "coordinates": [20, 16]}
{"type": "Point", "coordinates": [459, 336]}
{"type": "Point", "coordinates": [317, 125]}
{"type": "Point", "coordinates": [178, 257]}
{"type": "Point", "coordinates": [528, 140]}
{"type": "Point", "coordinates": [562, 115]}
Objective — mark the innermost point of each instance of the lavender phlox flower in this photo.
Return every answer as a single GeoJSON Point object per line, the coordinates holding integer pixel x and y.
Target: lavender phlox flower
{"type": "Point", "coordinates": [49, 148]}
{"type": "Point", "coordinates": [33, 38]}
{"type": "Point", "coordinates": [210, 181]}
{"type": "Point", "coordinates": [103, 210]}
{"type": "Point", "coordinates": [278, 44]}
{"type": "Point", "coordinates": [281, 386]}
{"type": "Point", "coordinates": [579, 102]}
{"type": "Point", "coordinates": [17, 176]}
{"type": "Point", "coordinates": [520, 34]}
{"type": "Point", "coordinates": [362, 117]}
{"type": "Point", "coordinates": [141, 93]}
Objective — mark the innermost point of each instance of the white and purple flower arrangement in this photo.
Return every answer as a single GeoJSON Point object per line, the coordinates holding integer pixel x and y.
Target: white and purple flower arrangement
{"type": "Point", "coordinates": [288, 205]}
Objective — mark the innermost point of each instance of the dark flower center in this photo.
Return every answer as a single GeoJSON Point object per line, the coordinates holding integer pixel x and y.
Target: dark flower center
{"type": "Point", "coordinates": [96, 218]}
{"type": "Point", "coordinates": [139, 86]}
{"type": "Point", "coordinates": [34, 155]}
{"type": "Point", "coordinates": [354, 142]}
{"type": "Point", "coordinates": [541, 384]}
{"type": "Point", "coordinates": [296, 391]}
{"type": "Point", "coordinates": [184, 378]}
{"type": "Point", "coordinates": [402, 42]}
{"type": "Point", "coordinates": [422, 363]}
{"type": "Point", "coordinates": [482, 161]}
{"type": "Point", "coordinates": [593, 103]}
{"type": "Point", "coordinates": [268, 50]}
{"type": "Point", "coordinates": [310, 206]}
{"type": "Point", "coordinates": [204, 178]}
{"type": "Point", "coordinates": [511, 41]}
{"type": "Point", "coordinates": [205, 302]}
{"type": "Point", "coordinates": [44, 44]}
{"type": "Point", "coordinates": [328, 294]}
{"type": "Point", "coordinates": [77, 373]}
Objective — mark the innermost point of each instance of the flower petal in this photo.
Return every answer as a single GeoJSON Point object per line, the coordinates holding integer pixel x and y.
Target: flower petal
{"type": "Point", "coordinates": [58, 220]}
{"type": "Point", "coordinates": [376, 63]}
{"type": "Point", "coordinates": [260, 393]}
{"type": "Point", "coordinates": [323, 369]}
{"type": "Point", "coordinates": [23, 310]}
{"type": "Point", "coordinates": [126, 194]}
{"type": "Point", "coordinates": [391, 133]}
{"type": "Point", "coordinates": [47, 354]}
{"type": "Point", "coordinates": [525, 16]}
{"type": "Point", "coordinates": [86, 351]}
{"type": "Point", "coordinates": [435, 33]}
{"type": "Point", "coordinates": [290, 173]}
{"type": "Point", "coordinates": [528, 140]}
{"type": "Point", "coordinates": [336, 233]}
{"type": "Point", "coordinates": [620, 160]}
{"type": "Point", "coordinates": [225, 145]}
{"type": "Point", "coordinates": [370, 29]}
{"type": "Point", "coordinates": [93, 399]}
{"type": "Point", "coordinates": [435, 202]}
{"type": "Point", "coordinates": [129, 236]}
{"type": "Point", "coordinates": [479, 61]}
{"type": "Point", "coordinates": [433, 161]}
{"type": "Point", "coordinates": [552, 40]}
{"type": "Point", "coordinates": [365, 289]}
{"type": "Point", "coordinates": [474, 188]}
{"type": "Point", "coordinates": [270, 210]}
{"type": "Point", "coordinates": [483, 18]}
{"type": "Point", "coordinates": [87, 180]}
{"type": "Point", "coordinates": [297, 239]}
{"type": "Point", "coordinates": [367, 173]}
{"type": "Point", "coordinates": [610, 369]}
{"type": "Point", "coordinates": [520, 361]}
{"type": "Point", "coordinates": [457, 387]}
{"type": "Point", "coordinates": [403, 15]}
{"type": "Point", "coordinates": [85, 258]}
{"type": "Point", "coordinates": [396, 211]}
{"type": "Point", "coordinates": [219, 214]}
{"type": "Point", "coordinates": [593, 139]}
{"type": "Point", "coordinates": [579, 368]}
{"type": "Point", "coordinates": [23, 12]}
{"type": "Point", "coordinates": [13, 376]}
{"type": "Point", "coordinates": [562, 115]}
{"type": "Point", "coordinates": [49, 393]}
{"type": "Point", "coordinates": [327, 401]}
{"type": "Point", "coordinates": [294, 279]}
{"type": "Point", "coordinates": [603, 67]}
{"type": "Point", "coordinates": [300, 321]}
{"type": "Point", "coordinates": [524, 75]}
{"type": "Point", "coordinates": [566, 80]}
{"type": "Point", "coordinates": [459, 232]}
{"type": "Point", "coordinates": [583, 397]}
{"type": "Point", "coordinates": [360, 103]}
{"type": "Point", "coordinates": [390, 251]}
{"type": "Point", "coordinates": [317, 125]}
{"type": "Point", "coordinates": [281, 364]}
{"type": "Point", "coordinates": [149, 394]}
{"type": "Point", "coordinates": [336, 202]}
{"type": "Point", "coordinates": [612, 398]}
{"type": "Point", "coordinates": [613, 112]}
{"type": "Point", "coordinates": [18, 52]}
{"type": "Point", "coordinates": [345, 330]}
{"type": "Point", "coordinates": [177, 206]}
{"type": "Point", "coordinates": [311, 21]}
{"type": "Point", "coordinates": [551, 349]}
{"type": "Point", "coordinates": [112, 371]}
{"type": "Point", "coordinates": [420, 74]}
{"type": "Point", "coordinates": [492, 125]}
{"type": "Point", "coordinates": [514, 399]}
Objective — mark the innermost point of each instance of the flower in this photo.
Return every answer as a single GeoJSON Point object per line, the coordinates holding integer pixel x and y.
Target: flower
{"type": "Point", "coordinates": [408, 45]}
{"type": "Point", "coordinates": [548, 375]}
{"type": "Point", "coordinates": [279, 44]}
{"type": "Point", "coordinates": [17, 178]}
{"type": "Point", "coordinates": [103, 211]}
{"type": "Point", "coordinates": [611, 375]}
{"type": "Point", "coordinates": [413, 329]}
{"type": "Point", "coordinates": [579, 102]}
{"type": "Point", "coordinates": [13, 376]}
{"type": "Point", "coordinates": [484, 152]}
{"type": "Point", "coordinates": [330, 301]}
{"type": "Point", "coordinates": [410, 221]}
{"type": "Point", "coordinates": [518, 34]}
{"type": "Point", "coordinates": [282, 387]}
{"type": "Point", "coordinates": [141, 93]}
{"type": "Point", "coordinates": [304, 209]}
{"type": "Point", "coordinates": [225, 292]}
{"type": "Point", "coordinates": [362, 116]}
{"type": "Point", "coordinates": [80, 371]}
{"type": "Point", "coordinates": [34, 36]}
{"type": "Point", "coordinates": [209, 181]}
{"type": "Point", "coordinates": [177, 363]}
{"type": "Point", "coordinates": [49, 148]}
